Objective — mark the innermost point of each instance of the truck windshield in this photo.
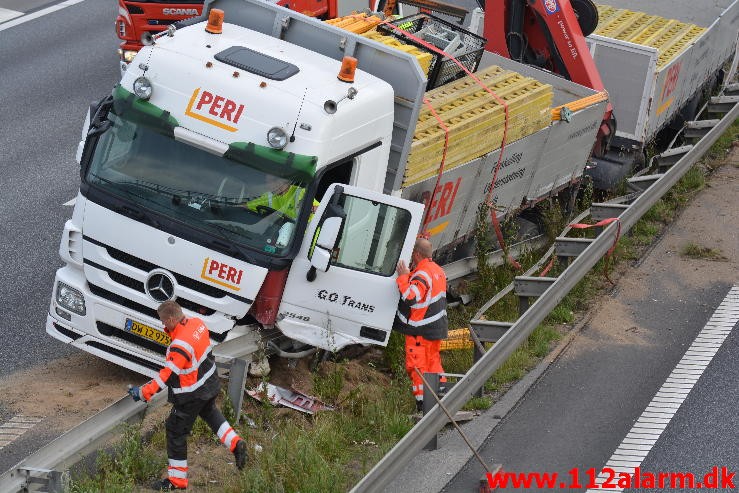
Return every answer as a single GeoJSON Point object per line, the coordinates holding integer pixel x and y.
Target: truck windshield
{"type": "Point", "coordinates": [252, 195]}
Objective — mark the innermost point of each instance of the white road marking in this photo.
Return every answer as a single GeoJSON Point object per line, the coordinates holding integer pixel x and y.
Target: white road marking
{"type": "Point", "coordinates": [15, 427]}
{"type": "Point", "coordinates": [71, 202]}
{"type": "Point", "coordinates": [37, 14]}
{"type": "Point", "coordinates": [7, 14]}
{"type": "Point", "coordinates": [665, 404]}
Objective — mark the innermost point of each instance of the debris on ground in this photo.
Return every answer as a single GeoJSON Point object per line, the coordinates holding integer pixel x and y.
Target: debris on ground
{"type": "Point", "coordinates": [280, 396]}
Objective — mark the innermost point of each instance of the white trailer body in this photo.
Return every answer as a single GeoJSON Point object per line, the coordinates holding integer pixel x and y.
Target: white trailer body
{"type": "Point", "coordinates": [647, 98]}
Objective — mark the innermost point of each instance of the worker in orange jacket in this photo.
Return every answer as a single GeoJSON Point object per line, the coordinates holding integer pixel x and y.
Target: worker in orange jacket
{"type": "Point", "coordinates": [193, 385]}
{"type": "Point", "coordinates": [421, 315]}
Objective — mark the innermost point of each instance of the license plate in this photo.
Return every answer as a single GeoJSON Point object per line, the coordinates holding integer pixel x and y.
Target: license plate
{"type": "Point", "coordinates": [147, 332]}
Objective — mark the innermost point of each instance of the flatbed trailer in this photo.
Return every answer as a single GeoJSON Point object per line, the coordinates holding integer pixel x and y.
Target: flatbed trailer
{"type": "Point", "coordinates": [652, 87]}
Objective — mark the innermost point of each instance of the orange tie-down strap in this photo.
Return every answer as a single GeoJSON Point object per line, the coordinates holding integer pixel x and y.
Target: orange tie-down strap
{"type": "Point", "coordinates": [579, 104]}
{"type": "Point", "coordinates": [500, 101]}
{"type": "Point", "coordinates": [604, 223]}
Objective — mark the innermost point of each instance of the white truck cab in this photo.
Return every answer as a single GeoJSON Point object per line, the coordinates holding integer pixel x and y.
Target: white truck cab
{"type": "Point", "coordinates": [200, 176]}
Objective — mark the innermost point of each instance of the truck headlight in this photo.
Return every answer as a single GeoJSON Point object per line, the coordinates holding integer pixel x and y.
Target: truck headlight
{"type": "Point", "coordinates": [70, 298]}
{"type": "Point", "coordinates": [142, 88]}
{"type": "Point", "coordinates": [277, 138]}
{"type": "Point", "coordinates": [128, 55]}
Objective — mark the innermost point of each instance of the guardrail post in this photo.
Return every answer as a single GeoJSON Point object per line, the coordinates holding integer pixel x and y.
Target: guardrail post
{"type": "Point", "coordinates": [40, 479]}
{"type": "Point", "coordinates": [236, 383]}
{"type": "Point", "coordinates": [485, 331]}
{"type": "Point", "coordinates": [432, 384]}
{"type": "Point", "coordinates": [476, 355]}
{"type": "Point", "coordinates": [642, 183]}
{"type": "Point", "coordinates": [523, 305]}
{"type": "Point", "coordinates": [56, 483]}
{"type": "Point", "coordinates": [668, 158]}
{"type": "Point", "coordinates": [526, 287]}
{"type": "Point", "coordinates": [566, 248]}
{"type": "Point", "coordinates": [722, 104]}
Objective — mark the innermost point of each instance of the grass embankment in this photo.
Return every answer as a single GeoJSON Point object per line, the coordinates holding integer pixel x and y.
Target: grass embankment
{"type": "Point", "coordinates": [331, 451]}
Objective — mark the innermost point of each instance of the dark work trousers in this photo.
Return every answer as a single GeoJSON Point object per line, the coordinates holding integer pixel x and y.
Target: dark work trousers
{"type": "Point", "coordinates": [182, 418]}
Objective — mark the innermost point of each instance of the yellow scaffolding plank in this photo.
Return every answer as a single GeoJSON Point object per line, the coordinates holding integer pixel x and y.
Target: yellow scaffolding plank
{"type": "Point", "coordinates": [476, 120]}
{"type": "Point", "coordinates": [424, 57]}
{"type": "Point", "coordinates": [356, 23]}
{"type": "Point", "coordinates": [669, 36]}
{"type": "Point", "coordinates": [457, 339]}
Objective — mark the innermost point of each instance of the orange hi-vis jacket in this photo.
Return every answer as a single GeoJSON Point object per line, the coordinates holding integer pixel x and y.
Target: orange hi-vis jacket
{"type": "Point", "coordinates": [422, 307]}
{"type": "Point", "coordinates": [190, 370]}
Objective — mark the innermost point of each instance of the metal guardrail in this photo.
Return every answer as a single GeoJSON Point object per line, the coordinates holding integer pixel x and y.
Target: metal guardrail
{"type": "Point", "coordinates": [463, 267]}
{"type": "Point", "coordinates": [46, 467]}
{"type": "Point", "coordinates": [425, 430]}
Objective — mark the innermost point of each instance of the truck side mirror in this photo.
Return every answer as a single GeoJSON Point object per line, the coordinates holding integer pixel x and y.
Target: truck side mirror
{"type": "Point", "coordinates": [96, 122]}
{"type": "Point", "coordinates": [325, 243]}
{"type": "Point", "coordinates": [329, 232]}
{"type": "Point", "coordinates": [319, 260]}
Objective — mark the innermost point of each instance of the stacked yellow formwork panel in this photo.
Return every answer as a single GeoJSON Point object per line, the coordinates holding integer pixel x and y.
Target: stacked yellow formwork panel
{"type": "Point", "coordinates": [366, 25]}
{"type": "Point", "coordinates": [457, 339]}
{"type": "Point", "coordinates": [475, 119]}
{"type": "Point", "coordinates": [357, 23]}
{"type": "Point", "coordinates": [669, 36]}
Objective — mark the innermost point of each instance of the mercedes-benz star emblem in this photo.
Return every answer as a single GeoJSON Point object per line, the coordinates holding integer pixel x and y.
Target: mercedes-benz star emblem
{"type": "Point", "coordinates": [160, 287]}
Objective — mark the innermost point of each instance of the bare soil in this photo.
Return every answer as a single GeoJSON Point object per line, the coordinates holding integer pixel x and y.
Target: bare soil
{"type": "Point", "coordinates": [710, 220]}
{"type": "Point", "coordinates": [66, 391]}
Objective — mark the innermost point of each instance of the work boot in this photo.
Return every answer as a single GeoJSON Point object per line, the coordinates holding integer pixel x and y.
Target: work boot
{"type": "Point", "coordinates": [164, 485]}
{"type": "Point", "coordinates": [419, 406]}
{"type": "Point", "coordinates": [240, 454]}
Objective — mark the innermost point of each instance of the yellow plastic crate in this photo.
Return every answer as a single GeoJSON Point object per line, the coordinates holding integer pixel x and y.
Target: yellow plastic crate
{"type": "Point", "coordinates": [357, 23]}
{"type": "Point", "coordinates": [424, 57]}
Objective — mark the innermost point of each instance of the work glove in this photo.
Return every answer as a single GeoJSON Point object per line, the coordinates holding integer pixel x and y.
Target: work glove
{"type": "Point", "coordinates": [135, 393]}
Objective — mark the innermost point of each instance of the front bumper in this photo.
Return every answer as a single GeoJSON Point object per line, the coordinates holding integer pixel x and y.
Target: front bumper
{"type": "Point", "coordinates": [100, 330]}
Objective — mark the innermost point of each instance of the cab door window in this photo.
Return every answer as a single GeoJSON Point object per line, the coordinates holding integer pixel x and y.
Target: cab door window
{"type": "Point", "coordinates": [372, 237]}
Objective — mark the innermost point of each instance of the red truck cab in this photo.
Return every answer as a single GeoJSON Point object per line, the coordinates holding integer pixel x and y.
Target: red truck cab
{"type": "Point", "coordinates": [138, 21]}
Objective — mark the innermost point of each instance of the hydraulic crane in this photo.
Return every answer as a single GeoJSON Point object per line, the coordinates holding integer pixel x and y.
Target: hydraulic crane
{"type": "Point", "coordinates": [550, 34]}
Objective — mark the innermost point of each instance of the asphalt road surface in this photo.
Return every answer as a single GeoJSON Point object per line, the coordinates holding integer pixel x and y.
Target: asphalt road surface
{"type": "Point", "coordinates": [52, 68]}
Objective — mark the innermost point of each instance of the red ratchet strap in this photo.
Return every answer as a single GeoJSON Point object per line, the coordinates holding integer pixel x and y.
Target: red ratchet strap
{"type": "Point", "coordinates": [441, 166]}
{"type": "Point", "coordinates": [603, 223]}
{"type": "Point", "coordinates": [548, 267]}
{"type": "Point", "coordinates": [493, 216]}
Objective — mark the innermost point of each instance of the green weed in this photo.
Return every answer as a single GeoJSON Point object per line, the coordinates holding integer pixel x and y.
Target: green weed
{"type": "Point", "coordinates": [478, 404]}
{"type": "Point", "coordinates": [118, 472]}
{"type": "Point", "coordinates": [693, 250]}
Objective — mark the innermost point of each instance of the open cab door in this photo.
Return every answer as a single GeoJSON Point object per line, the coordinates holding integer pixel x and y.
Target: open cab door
{"type": "Point", "coordinates": [341, 287]}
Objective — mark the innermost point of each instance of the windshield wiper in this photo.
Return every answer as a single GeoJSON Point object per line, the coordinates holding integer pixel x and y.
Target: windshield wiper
{"type": "Point", "coordinates": [231, 247]}
{"type": "Point", "coordinates": [137, 214]}
{"type": "Point", "coordinates": [132, 210]}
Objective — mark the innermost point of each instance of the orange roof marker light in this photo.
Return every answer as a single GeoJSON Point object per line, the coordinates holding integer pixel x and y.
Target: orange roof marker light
{"type": "Point", "coordinates": [348, 67]}
{"type": "Point", "coordinates": [215, 21]}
